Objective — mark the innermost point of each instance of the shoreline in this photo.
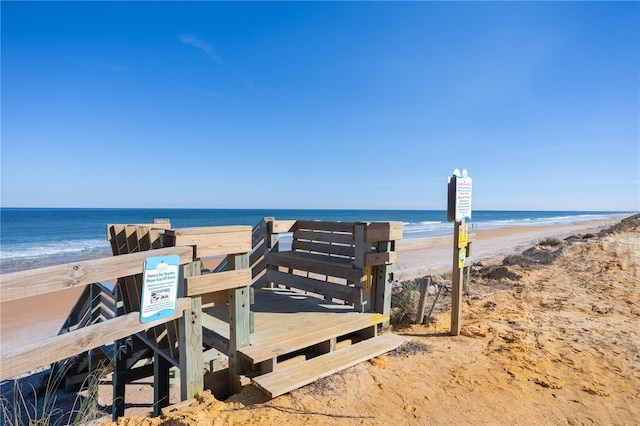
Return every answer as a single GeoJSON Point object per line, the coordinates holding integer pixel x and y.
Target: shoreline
{"type": "Point", "coordinates": [14, 260]}
{"type": "Point", "coordinates": [433, 254]}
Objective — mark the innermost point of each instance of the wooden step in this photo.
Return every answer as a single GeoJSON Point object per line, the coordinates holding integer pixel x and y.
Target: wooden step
{"type": "Point", "coordinates": [287, 379]}
{"type": "Point", "coordinates": [304, 337]}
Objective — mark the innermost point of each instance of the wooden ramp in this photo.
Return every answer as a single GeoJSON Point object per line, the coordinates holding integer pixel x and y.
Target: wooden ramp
{"type": "Point", "coordinates": [298, 338]}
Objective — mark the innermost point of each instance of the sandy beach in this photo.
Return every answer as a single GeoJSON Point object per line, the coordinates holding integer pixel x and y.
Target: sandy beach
{"type": "Point", "coordinates": [540, 344]}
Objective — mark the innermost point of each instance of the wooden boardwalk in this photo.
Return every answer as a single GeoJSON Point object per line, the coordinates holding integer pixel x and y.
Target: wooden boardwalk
{"type": "Point", "coordinates": [283, 318]}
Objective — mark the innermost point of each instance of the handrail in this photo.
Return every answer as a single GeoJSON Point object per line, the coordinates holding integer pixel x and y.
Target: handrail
{"type": "Point", "coordinates": [47, 351]}
{"type": "Point", "coordinates": [34, 282]}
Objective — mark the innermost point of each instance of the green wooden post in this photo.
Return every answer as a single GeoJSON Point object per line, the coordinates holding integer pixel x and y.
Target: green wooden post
{"type": "Point", "coordinates": [119, 366]}
{"type": "Point", "coordinates": [239, 321]}
{"type": "Point", "coordinates": [160, 383]}
{"type": "Point", "coordinates": [360, 252]}
{"type": "Point", "coordinates": [190, 343]}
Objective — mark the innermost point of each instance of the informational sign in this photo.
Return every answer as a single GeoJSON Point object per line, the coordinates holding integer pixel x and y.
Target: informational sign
{"type": "Point", "coordinates": [159, 287]}
{"type": "Point", "coordinates": [463, 235]}
{"type": "Point", "coordinates": [462, 256]}
{"type": "Point", "coordinates": [463, 198]}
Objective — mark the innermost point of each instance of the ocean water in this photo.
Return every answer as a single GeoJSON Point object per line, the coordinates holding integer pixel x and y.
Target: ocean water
{"type": "Point", "coordinates": [31, 237]}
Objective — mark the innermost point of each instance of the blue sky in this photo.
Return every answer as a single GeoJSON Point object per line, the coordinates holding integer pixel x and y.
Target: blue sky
{"type": "Point", "coordinates": [320, 105]}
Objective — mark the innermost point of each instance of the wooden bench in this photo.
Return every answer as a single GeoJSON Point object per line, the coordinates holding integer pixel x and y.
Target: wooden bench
{"type": "Point", "coordinates": [335, 259]}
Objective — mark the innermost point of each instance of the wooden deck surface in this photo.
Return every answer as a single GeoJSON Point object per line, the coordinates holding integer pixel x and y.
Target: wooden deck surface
{"type": "Point", "coordinates": [280, 312]}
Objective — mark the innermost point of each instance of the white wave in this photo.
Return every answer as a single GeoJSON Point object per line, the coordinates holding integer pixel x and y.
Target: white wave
{"type": "Point", "coordinates": [49, 249]}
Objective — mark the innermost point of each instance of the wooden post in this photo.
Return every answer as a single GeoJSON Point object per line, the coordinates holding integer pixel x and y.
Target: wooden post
{"type": "Point", "coordinates": [94, 294]}
{"type": "Point", "coordinates": [467, 272]}
{"type": "Point", "coordinates": [360, 251]}
{"type": "Point", "coordinates": [382, 284]}
{"type": "Point", "coordinates": [119, 365]}
{"type": "Point", "coordinates": [190, 343]}
{"type": "Point", "coordinates": [271, 243]}
{"type": "Point", "coordinates": [456, 283]}
{"type": "Point", "coordinates": [424, 293]}
{"type": "Point", "coordinates": [239, 321]}
{"type": "Point", "coordinates": [160, 383]}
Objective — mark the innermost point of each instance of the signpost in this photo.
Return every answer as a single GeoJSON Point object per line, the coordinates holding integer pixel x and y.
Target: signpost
{"type": "Point", "coordinates": [458, 209]}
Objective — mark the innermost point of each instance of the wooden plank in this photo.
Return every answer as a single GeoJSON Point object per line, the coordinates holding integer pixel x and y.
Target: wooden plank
{"type": "Point", "coordinates": [256, 255]}
{"type": "Point", "coordinates": [326, 236]}
{"type": "Point", "coordinates": [383, 231]}
{"type": "Point", "coordinates": [190, 349]}
{"type": "Point", "coordinates": [456, 285]}
{"type": "Point", "coordinates": [218, 281]}
{"type": "Point", "coordinates": [161, 369]}
{"type": "Point", "coordinates": [215, 324]}
{"type": "Point", "coordinates": [382, 280]}
{"type": "Point", "coordinates": [215, 299]}
{"type": "Point", "coordinates": [337, 291]}
{"type": "Point", "coordinates": [52, 349]}
{"type": "Point", "coordinates": [422, 302]}
{"type": "Point", "coordinates": [362, 249]}
{"type": "Point", "coordinates": [384, 258]}
{"type": "Point", "coordinates": [239, 321]}
{"type": "Point", "coordinates": [214, 241]}
{"type": "Point", "coordinates": [325, 226]}
{"type": "Point", "coordinates": [317, 263]}
{"type": "Point", "coordinates": [33, 282]}
{"type": "Point", "coordinates": [321, 247]}
{"type": "Point", "coordinates": [300, 338]}
{"type": "Point", "coordinates": [280, 226]}
{"type": "Point", "coordinates": [209, 230]}
{"type": "Point", "coordinates": [258, 268]}
{"type": "Point", "coordinates": [285, 380]}
{"type": "Point", "coordinates": [258, 233]}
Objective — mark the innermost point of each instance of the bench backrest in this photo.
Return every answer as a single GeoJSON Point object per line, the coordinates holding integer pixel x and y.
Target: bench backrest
{"type": "Point", "coordinates": [328, 238]}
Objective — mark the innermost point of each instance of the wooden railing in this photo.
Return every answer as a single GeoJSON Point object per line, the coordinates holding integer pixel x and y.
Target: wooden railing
{"type": "Point", "coordinates": [338, 260]}
{"type": "Point", "coordinates": [195, 340]}
{"type": "Point", "coordinates": [34, 282]}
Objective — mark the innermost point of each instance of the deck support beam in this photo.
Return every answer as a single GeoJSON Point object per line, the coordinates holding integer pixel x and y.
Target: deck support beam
{"type": "Point", "coordinates": [190, 343]}
{"type": "Point", "coordinates": [160, 383]}
{"type": "Point", "coordinates": [239, 321]}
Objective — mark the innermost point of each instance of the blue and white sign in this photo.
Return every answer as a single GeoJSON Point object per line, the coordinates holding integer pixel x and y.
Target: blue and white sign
{"type": "Point", "coordinates": [159, 287]}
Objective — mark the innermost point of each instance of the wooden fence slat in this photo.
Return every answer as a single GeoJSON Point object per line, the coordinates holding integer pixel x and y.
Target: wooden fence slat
{"type": "Point", "coordinates": [325, 226]}
{"type": "Point", "coordinates": [52, 349]}
{"type": "Point", "coordinates": [209, 283]}
{"type": "Point", "coordinates": [383, 231]}
{"type": "Point", "coordinates": [280, 226]}
{"type": "Point", "coordinates": [319, 264]}
{"type": "Point", "coordinates": [340, 250]}
{"type": "Point", "coordinates": [33, 282]}
{"type": "Point", "coordinates": [330, 237]}
{"type": "Point", "coordinates": [384, 258]}
{"type": "Point", "coordinates": [337, 291]}
{"type": "Point", "coordinates": [212, 242]}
